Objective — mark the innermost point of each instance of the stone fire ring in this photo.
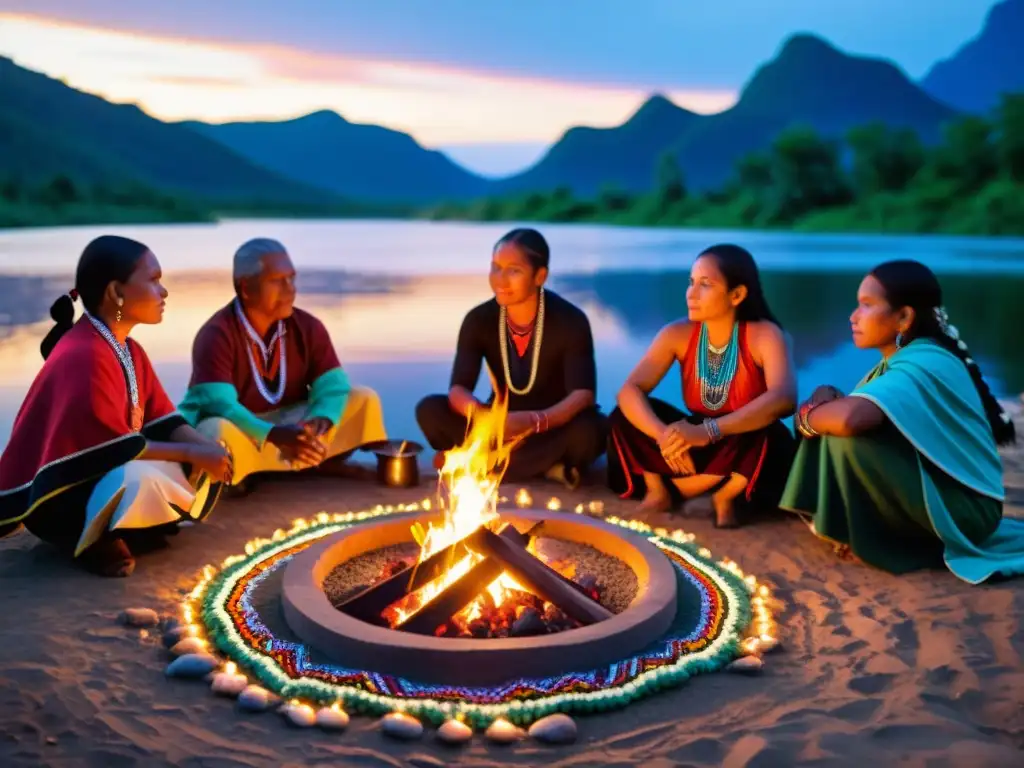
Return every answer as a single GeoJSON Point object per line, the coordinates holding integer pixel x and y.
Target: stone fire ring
{"type": "Point", "coordinates": [470, 661]}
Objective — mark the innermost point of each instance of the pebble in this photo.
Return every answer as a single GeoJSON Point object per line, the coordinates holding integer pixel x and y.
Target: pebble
{"type": "Point", "coordinates": [169, 623]}
{"type": "Point", "coordinates": [188, 646]}
{"type": "Point", "coordinates": [399, 725]}
{"type": "Point", "coordinates": [501, 731]}
{"type": "Point", "coordinates": [554, 729]}
{"type": "Point", "coordinates": [767, 646]}
{"type": "Point", "coordinates": [192, 665]}
{"type": "Point", "coordinates": [332, 718]}
{"type": "Point", "coordinates": [454, 732]}
{"type": "Point", "coordinates": [174, 636]}
{"type": "Point", "coordinates": [139, 617]}
{"type": "Point", "coordinates": [300, 715]}
{"type": "Point", "coordinates": [748, 665]}
{"type": "Point", "coordinates": [229, 684]}
{"type": "Point", "coordinates": [254, 699]}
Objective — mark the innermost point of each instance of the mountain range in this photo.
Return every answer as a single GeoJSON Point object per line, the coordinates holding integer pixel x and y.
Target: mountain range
{"type": "Point", "coordinates": [47, 127]}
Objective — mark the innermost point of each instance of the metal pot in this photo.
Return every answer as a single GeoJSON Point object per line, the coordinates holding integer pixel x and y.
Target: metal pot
{"type": "Point", "coordinates": [397, 465]}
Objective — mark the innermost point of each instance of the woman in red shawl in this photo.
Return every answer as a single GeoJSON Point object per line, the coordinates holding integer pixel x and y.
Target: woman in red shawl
{"type": "Point", "coordinates": [98, 452]}
{"type": "Point", "coordinates": [738, 381]}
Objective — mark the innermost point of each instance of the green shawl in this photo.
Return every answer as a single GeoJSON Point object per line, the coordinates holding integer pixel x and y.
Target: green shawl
{"type": "Point", "coordinates": [928, 395]}
{"type": "Point", "coordinates": [328, 397]}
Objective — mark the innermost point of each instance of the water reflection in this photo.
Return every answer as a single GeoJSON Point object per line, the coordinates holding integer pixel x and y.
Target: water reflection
{"type": "Point", "coordinates": [393, 296]}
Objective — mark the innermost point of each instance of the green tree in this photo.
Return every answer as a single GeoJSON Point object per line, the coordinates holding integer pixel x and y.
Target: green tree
{"type": "Point", "coordinates": [1010, 135]}
{"type": "Point", "coordinates": [754, 172]}
{"type": "Point", "coordinates": [60, 191]}
{"type": "Point", "coordinates": [884, 159]}
{"type": "Point", "coordinates": [11, 190]}
{"type": "Point", "coordinates": [670, 185]}
{"type": "Point", "coordinates": [967, 156]}
{"type": "Point", "coordinates": [806, 175]}
{"type": "Point", "coordinates": [613, 199]}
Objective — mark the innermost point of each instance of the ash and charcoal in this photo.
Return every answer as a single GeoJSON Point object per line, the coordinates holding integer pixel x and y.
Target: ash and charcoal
{"type": "Point", "coordinates": [604, 578]}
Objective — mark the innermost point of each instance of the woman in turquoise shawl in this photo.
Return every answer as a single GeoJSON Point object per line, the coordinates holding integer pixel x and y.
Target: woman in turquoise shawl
{"type": "Point", "coordinates": [905, 471]}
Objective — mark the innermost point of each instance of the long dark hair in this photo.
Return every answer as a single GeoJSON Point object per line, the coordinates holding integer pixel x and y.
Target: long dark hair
{"type": "Point", "coordinates": [531, 243]}
{"type": "Point", "coordinates": [739, 268]}
{"type": "Point", "coordinates": [107, 259]}
{"type": "Point", "coordinates": [910, 283]}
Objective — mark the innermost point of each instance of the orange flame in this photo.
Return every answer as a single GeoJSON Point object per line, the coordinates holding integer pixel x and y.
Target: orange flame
{"type": "Point", "coordinates": [468, 491]}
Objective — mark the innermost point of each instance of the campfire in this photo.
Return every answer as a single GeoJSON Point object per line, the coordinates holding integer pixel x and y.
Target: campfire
{"type": "Point", "coordinates": [475, 575]}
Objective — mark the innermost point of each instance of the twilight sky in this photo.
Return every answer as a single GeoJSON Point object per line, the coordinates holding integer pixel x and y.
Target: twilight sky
{"type": "Point", "coordinates": [490, 82]}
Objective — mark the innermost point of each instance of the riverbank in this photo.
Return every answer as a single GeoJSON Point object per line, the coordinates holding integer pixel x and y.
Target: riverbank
{"type": "Point", "coordinates": [918, 670]}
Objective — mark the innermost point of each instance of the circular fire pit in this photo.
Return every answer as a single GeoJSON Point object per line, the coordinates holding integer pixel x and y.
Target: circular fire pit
{"type": "Point", "coordinates": [427, 659]}
{"type": "Point", "coordinates": [720, 614]}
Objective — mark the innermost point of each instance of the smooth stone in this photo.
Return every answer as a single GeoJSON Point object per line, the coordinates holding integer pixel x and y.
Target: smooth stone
{"type": "Point", "coordinates": [748, 665]}
{"type": "Point", "coordinates": [192, 665]}
{"type": "Point", "coordinates": [554, 729]}
{"type": "Point", "coordinates": [254, 699]}
{"type": "Point", "coordinates": [332, 718]}
{"type": "Point", "coordinates": [399, 725]}
{"type": "Point", "coordinates": [301, 715]}
{"type": "Point", "coordinates": [170, 623]}
{"type": "Point", "coordinates": [454, 732]}
{"type": "Point", "coordinates": [139, 617]}
{"type": "Point", "coordinates": [229, 684]}
{"type": "Point", "coordinates": [501, 731]}
{"type": "Point", "coordinates": [174, 636]}
{"type": "Point", "coordinates": [767, 646]}
{"type": "Point", "coordinates": [188, 646]}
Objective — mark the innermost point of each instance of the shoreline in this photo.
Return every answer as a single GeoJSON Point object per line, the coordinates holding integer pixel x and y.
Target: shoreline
{"type": "Point", "coordinates": [921, 669]}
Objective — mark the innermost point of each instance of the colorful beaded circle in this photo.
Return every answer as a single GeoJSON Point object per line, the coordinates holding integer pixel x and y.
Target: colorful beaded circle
{"type": "Point", "coordinates": [714, 609]}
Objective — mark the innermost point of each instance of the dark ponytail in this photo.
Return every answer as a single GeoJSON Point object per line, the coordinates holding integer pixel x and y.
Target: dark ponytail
{"type": "Point", "coordinates": [107, 259]}
{"type": "Point", "coordinates": [63, 314]}
{"type": "Point", "coordinates": [739, 268]}
{"type": "Point", "coordinates": [911, 284]}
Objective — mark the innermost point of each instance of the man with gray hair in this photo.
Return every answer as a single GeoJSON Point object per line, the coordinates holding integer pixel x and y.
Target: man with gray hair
{"type": "Point", "coordinates": [266, 379]}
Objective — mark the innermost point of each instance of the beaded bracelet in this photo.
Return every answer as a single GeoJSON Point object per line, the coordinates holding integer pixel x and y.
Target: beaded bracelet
{"type": "Point", "coordinates": [714, 433]}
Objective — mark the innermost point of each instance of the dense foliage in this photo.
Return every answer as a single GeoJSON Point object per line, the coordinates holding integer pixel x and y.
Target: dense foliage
{"type": "Point", "coordinates": [879, 179]}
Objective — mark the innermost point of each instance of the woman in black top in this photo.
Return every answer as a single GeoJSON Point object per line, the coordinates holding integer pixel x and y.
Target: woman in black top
{"type": "Point", "coordinates": [539, 347]}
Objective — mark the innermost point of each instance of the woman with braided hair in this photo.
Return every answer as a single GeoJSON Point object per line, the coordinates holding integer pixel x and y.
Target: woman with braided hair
{"type": "Point", "coordinates": [904, 472]}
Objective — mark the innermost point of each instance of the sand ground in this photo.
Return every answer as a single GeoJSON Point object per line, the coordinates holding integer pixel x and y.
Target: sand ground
{"type": "Point", "coordinates": [920, 670]}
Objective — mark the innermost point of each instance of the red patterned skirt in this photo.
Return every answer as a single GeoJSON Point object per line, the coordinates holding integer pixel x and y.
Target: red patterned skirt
{"type": "Point", "coordinates": [763, 457]}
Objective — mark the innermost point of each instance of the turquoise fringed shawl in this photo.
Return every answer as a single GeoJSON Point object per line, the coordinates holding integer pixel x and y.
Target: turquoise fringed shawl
{"type": "Point", "coordinates": [328, 397]}
{"type": "Point", "coordinates": [928, 395]}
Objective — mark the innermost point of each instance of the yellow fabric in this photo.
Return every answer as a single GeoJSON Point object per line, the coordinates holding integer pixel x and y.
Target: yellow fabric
{"type": "Point", "coordinates": [361, 423]}
{"type": "Point", "coordinates": [140, 494]}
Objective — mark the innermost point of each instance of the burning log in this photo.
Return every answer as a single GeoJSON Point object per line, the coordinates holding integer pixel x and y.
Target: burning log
{"type": "Point", "coordinates": [453, 598]}
{"type": "Point", "coordinates": [464, 590]}
{"type": "Point", "coordinates": [369, 604]}
{"type": "Point", "coordinates": [542, 580]}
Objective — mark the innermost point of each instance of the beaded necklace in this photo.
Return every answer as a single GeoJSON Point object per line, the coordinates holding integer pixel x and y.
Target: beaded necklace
{"type": "Point", "coordinates": [716, 368]}
{"type": "Point", "coordinates": [535, 359]}
{"type": "Point", "coordinates": [271, 397]}
{"type": "Point", "coordinates": [124, 357]}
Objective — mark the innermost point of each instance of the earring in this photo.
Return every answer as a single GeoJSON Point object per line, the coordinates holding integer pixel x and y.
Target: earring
{"type": "Point", "coordinates": [899, 340]}
{"type": "Point", "coordinates": [120, 303]}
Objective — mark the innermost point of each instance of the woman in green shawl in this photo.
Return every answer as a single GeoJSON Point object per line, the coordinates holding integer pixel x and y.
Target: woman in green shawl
{"type": "Point", "coordinates": [905, 471]}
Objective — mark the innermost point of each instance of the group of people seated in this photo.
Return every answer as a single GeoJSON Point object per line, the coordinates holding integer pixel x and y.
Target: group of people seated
{"type": "Point", "coordinates": [902, 473]}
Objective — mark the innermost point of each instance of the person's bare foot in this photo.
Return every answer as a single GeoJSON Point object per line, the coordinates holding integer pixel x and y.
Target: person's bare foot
{"type": "Point", "coordinates": [656, 501]}
{"type": "Point", "coordinates": [725, 512]}
{"type": "Point", "coordinates": [108, 557]}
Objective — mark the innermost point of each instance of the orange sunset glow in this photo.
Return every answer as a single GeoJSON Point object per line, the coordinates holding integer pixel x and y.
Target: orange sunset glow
{"type": "Point", "coordinates": [217, 81]}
